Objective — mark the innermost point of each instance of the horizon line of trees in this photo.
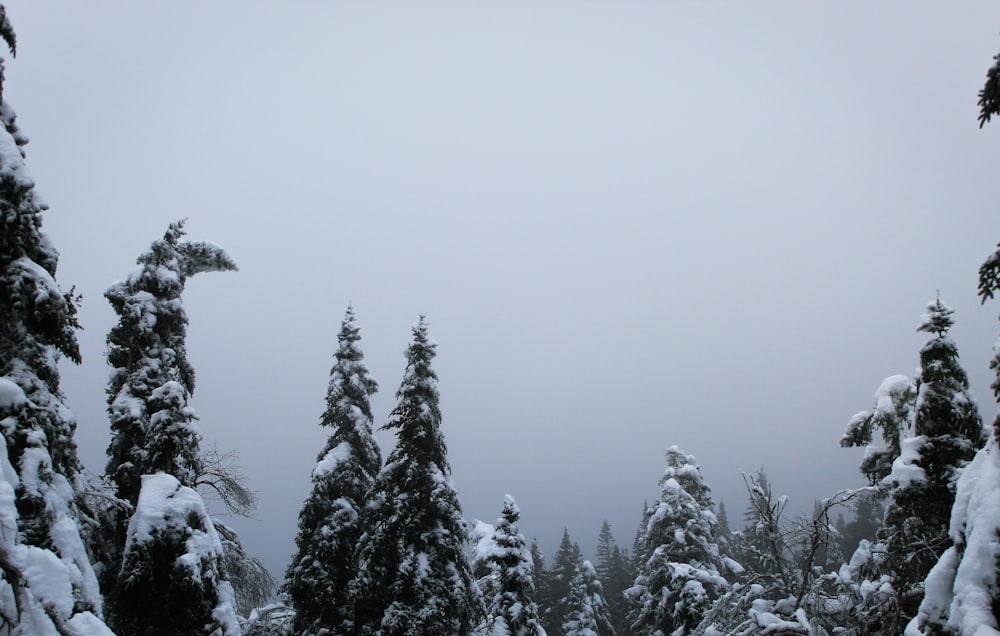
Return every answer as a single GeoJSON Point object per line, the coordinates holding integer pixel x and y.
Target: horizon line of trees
{"type": "Point", "coordinates": [383, 548]}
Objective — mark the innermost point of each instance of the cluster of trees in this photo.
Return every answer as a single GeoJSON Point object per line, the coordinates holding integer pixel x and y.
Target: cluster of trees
{"type": "Point", "coordinates": [382, 547]}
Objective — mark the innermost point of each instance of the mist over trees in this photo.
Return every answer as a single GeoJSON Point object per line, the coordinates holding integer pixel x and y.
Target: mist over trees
{"type": "Point", "coordinates": [383, 548]}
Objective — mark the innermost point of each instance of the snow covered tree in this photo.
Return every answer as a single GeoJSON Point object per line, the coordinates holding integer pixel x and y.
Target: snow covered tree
{"type": "Point", "coordinates": [681, 571]}
{"type": "Point", "coordinates": [892, 418]}
{"type": "Point", "coordinates": [48, 583]}
{"type": "Point", "coordinates": [558, 578]}
{"type": "Point", "coordinates": [962, 590]}
{"type": "Point", "coordinates": [413, 576]}
{"type": "Point", "coordinates": [152, 427]}
{"type": "Point", "coordinates": [330, 522]}
{"type": "Point", "coordinates": [588, 611]}
{"type": "Point", "coordinates": [154, 430]}
{"type": "Point", "coordinates": [947, 432]}
{"type": "Point", "coordinates": [170, 582]}
{"type": "Point", "coordinates": [511, 608]}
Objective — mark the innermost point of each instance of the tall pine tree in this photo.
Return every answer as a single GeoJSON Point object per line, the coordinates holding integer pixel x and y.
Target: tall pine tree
{"type": "Point", "coordinates": [154, 430]}
{"type": "Point", "coordinates": [512, 610]}
{"type": "Point", "coordinates": [558, 580]}
{"type": "Point", "coordinates": [947, 432]}
{"type": "Point", "coordinates": [48, 584]}
{"type": "Point", "coordinates": [330, 520]}
{"type": "Point", "coordinates": [681, 571]}
{"type": "Point", "coordinates": [588, 611]}
{"type": "Point", "coordinates": [413, 574]}
{"type": "Point", "coordinates": [152, 427]}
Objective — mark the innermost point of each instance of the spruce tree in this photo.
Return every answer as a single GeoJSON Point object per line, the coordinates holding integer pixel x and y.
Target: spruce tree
{"type": "Point", "coordinates": [588, 611]}
{"type": "Point", "coordinates": [681, 571]}
{"type": "Point", "coordinates": [621, 576]}
{"type": "Point", "coordinates": [41, 503]}
{"type": "Point", "coordinates": [605, 545]}
{"type": "Point", "coordinates": [512, 608]}
{"type": "Point", "coordinates": [947, 432]}
{"type": "Point", "coordinates": [413, 576]}
{"type": "Point", "coordinates": [330, 520]}
{"type": "Point", "coordinates": [559, 578]}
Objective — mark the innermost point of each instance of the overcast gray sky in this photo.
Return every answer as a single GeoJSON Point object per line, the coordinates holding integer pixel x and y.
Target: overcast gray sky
{"type": "Point", "coordinates": [630, 224]}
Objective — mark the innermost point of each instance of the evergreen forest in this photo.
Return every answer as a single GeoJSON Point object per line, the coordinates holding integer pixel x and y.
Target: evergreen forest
{"type": "Point", "coordinates": [383, 547]}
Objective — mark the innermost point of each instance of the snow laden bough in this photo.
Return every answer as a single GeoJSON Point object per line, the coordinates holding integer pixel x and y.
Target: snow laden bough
{"type": "Point", "coordinates": [40, 589]}
{"type": "Point", "coordinates": [170, 578]}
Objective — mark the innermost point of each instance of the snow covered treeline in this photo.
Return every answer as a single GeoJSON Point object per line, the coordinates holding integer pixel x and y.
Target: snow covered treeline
{"type": "Point", "coordinates": [383, 548]}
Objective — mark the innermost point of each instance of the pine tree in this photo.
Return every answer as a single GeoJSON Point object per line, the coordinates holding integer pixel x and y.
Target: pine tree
{"type": "Point", "coordinates": [963, 588]}
{"type": "Point", "coordinates": [559, 576]}
{"type": "Point", "coordinates": [605, 545]}
{"type": "Point", "coordinates": [947, 432]}
{"type": "Point", "coordinates": [512, 608]}
{"type": "Point", "coordinates": [621, 575]}
{"type": "Point", "coordinates": [171, 581]}
{"type": "Point", "coordinates": [152, 426]}
{"type": "Point", "coordinates": [153, 430]}
{"type": "Point", "coordinates": [41, 503]}
{"type": "Point", "coordinates": [413, 575]}
{"type": "Point", "coordinates": [681, 571]}
{"type": "Point", "coordinates": [615, 575]}
{"type": "Point", "coordinates": [330, 520]}
{"type": "Point", "coordinates": [588, 611]}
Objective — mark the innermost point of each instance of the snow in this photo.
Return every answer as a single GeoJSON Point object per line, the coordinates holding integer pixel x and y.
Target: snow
{"type": "Point", "coordinates": [11, 395]}
{"type": "Point", "coordinates": [334, 457]}
{"type": "Point", "coordinates": [905, 470]}
{"type": "Point", "coordinates": [962, 586]}
{"type": "Point", "coordinates": [12, 162]}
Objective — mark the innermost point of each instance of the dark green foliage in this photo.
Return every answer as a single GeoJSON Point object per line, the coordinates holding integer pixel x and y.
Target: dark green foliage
{"type": "Point", "coordinates": [38, 326]}
{"type": "Point", "coordinates": [621, 576]}
{"type": "Point", "coordinates": [171, 583]}
{"type": "Point", "coordinates": [330, 522]}
{"type": "Point", "coordinates": [587, 613]}
{"type": "Point", "coordinates": [152, 426]}
{"type": "Point", "coordinates": [989, 95]}
{"type": "Point", "coordinates": [558, 578]}
{"type": "Point", "coordinates": [681, 569]}
{"type": "Point", "coordinates": [895, 401]}
{"type": "Point", "coordinates": [947, 432]}
{"type": "Point", "coordinates": [512, 609]}
{"type": "Point", "coordinates": [413, 576]}
{"type": "Point", "coordinates": [868, 514]}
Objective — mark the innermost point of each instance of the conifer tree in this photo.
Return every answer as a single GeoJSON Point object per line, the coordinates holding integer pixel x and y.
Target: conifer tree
{"type": "Point", "coordinates": [413, 576]}
{"type": "Point", "coordinates": [892, 418]}
{"type": "Point", "coordinates": [681, 571]}
{"type": "Point", "coordinates": [588, 611]}
{"type": "Point", "coordinates": [154, 434]}
{"type": "Point", "coordinates": [605, 545]}
{"type": "Point", "coordinates": [330, 520]}
{"type": "Point", "coordinates": [963, 588]}
{"type": "Point", "coordinates": [615, 576]}
{"type": "Point", "coordinates": [512, 608]}
{"type": "Point", "coordinates": [620, 578]}
{"type": "Point", "coordinates": [48, 583]}
{"type": "Point", "coordinates": [559, 576]}
{"type": "Point", "coordinates": [152, 427]}
{"type": "Point", "coordinates": [170, 581]}
{"type": "Point", "coordinates": [947, 432]}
